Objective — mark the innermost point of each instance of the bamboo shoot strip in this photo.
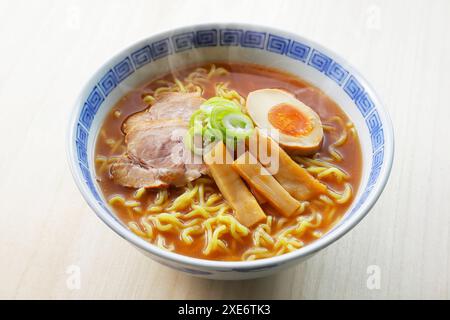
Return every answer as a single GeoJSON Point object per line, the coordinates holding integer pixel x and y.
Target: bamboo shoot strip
{"type": "Point", "coordinates": [296, 180]}
{"type": "Point", "coordinates": [247, 210]}
{"type": "Point", "coordinates": [265, 184]}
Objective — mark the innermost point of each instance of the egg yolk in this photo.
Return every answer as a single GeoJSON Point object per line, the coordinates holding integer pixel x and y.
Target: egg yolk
{"type": "Point", "coordinates": [289, 120]}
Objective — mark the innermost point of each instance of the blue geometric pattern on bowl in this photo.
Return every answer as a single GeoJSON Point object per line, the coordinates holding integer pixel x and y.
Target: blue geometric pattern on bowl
{"type": "Point", "coordinates": [141, 57]}
{"type": "Point", "coordinates": [320, 61]}
{"type": "Point", "coordinates": [184, 41]}
{"type": "Point", "coordinates": [161, 49]}
{"type": "Point", "coordinates": [277, 44]}
{"type": "Point", "coordinates": [232, 37]}
{"type": "Point", "coordinates": [253, 39]}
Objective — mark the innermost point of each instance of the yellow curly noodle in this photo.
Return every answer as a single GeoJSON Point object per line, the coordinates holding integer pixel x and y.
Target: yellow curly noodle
{"type": "Point", "coordinates": [101, 163]}
{"type": "Point", "coordinates": [194, 82]}
{"type": "Point", "coordinates": [223, 91]}
{"type": "Point", "coordinates": [261, 236]}
{"type": "Point", "coordinates": [137, 229]}
{"type": "Point", "coordinates": [219, 224]}
{"type": "Point", "coordinates": [192, 215]}
{"type": "Point", "coordinates": [148, 99]}
{"type": "Point", "coordinates": [139, 193]}
{"type": "Point", "coordinates": [274, 238]}
{"type": "Point", "coordinates": [161, 243]}
{"type": "Point", "coordinates": [116, 199]}
{"type": "Point", "coordinates": [115, 147]}
{"type": "Point", "coordinates": [344, 197]}
{"type": "Point", "coordinates": [131, 206]}
{"type": "Point", "coordinates": [328, 128]}
{"type": "Point", "coordinates": [350, 126]}
{"type": "Point", "coordinates": [187, 232]}
{"type": "Point", "coordinates": [330, 214]}
{"type": "Point", "coordinates": [346, 128]}
{"type": "Point", "coordinates": [323, 170]}
{"type": "Point", "coordinates": [281, 222]}
{"type": "Point", "coordinates": [268, 244]}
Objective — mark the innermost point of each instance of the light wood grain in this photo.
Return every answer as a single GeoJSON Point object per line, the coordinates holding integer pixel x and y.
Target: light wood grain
{"type": "Point", "coordinates": [50, 48]}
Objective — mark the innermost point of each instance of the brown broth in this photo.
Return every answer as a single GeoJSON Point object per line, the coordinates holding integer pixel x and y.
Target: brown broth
{"type": "Point", "coordinates": [243, 78]}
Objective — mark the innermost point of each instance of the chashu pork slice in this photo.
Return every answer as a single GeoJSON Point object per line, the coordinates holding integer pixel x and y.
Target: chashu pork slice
{"type": "Point", "coordinates": [156, 155]}
{"type": "Point", "coordinates": [174, 105]}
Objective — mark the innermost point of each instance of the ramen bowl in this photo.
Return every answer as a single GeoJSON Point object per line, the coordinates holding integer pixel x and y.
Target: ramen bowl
{"type": "Point", "coordinates": [170, 50]}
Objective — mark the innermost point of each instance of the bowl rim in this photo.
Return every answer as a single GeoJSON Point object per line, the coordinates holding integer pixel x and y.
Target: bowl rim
{"type": "Point", "coordinates": [215, 265]}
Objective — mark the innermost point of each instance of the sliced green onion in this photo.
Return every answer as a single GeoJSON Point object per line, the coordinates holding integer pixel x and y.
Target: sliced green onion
{"type": "Point", "coordinates": [218, 119]}
{"type": "Point", "coordinates": [237, 125]}
{"type": "Point", "coordinates": [206, 108]}
{"type": "Point", "coordinates": [191, 141]}
{"type": "Point", "coordinates": [217, 114]}
{"type": "Point", "coordinates": [212, 135]}
{"type": "Point", "coordinates": [209, 104]}
{"type": "Point", "coordinates": [197, 121]}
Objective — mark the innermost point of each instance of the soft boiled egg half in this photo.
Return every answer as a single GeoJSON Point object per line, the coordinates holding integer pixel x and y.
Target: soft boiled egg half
{"type": "Point", "coordinates": [299, 127]}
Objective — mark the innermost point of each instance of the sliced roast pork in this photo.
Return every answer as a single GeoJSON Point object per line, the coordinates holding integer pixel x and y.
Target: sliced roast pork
{"type": "Point", "coordinates": [156, 155]}
{"type": "Point", "coordinates": [169, 106]}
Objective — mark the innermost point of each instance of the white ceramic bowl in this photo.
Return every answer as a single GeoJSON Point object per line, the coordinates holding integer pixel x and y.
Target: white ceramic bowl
{"type": "Point", "coordinates": [160, 53]}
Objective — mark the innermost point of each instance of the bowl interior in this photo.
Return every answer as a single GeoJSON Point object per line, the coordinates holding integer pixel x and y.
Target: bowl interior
{"type": "Point", "coordinates": [260, 45]}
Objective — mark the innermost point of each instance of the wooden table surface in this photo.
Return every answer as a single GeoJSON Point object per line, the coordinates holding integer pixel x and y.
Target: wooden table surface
{"type": "Point", "coordinates": [48, 234]}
